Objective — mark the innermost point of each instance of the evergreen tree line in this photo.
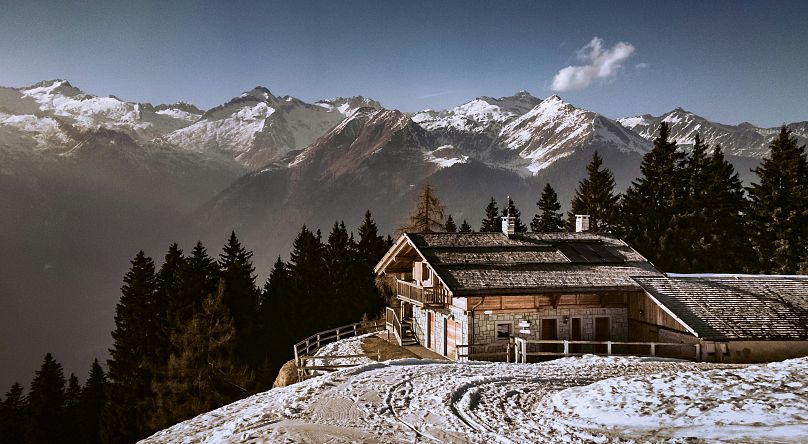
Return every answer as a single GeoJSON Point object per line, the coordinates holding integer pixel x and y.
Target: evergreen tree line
{"type": "Point", "coordinates": [685, 213]}
{"type": "Point", "coordinates": [199, 333]}
{"type": "Point", "coordinates": [55, 409]}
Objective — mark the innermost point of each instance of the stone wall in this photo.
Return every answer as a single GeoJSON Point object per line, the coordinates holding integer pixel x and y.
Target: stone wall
{"type": "Point", "coordinates": [485, 325]}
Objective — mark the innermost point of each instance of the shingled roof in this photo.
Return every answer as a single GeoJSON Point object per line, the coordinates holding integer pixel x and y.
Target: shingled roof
{"type": "Point", "coordinates": [529, 263]}
{"type": "Point", "coordinates": [741, 307]}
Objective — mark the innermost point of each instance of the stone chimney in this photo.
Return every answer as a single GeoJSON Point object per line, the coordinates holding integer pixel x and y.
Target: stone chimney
{"type": "Point", "coordinates": [581, 223]}
{"type": "Point", "coordinates": [508, 223]}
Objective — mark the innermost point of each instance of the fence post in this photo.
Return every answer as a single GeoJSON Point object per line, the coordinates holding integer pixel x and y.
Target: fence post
{"type": "Point", "coordinates": [566, 347]}
{"type": "Point", "coordinates": [653, 349]}
{"type": "Point", "coordinates": [608, 347]}
{"type": "Point", "coordinates": [524, 351]}
{"type": "Point", "coordinates": [318, 341]}
{"type": "Point", "coordinates": [698, 351]}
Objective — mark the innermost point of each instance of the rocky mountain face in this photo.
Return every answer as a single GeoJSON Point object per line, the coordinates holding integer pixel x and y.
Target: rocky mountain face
{"type": "Point", "coordinates": [744, 140]}
{"type": "Point", "coordinates": [258, 128]}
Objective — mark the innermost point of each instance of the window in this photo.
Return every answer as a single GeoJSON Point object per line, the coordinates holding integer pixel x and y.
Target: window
{"type": "Point", "coordinates": [503, 331]}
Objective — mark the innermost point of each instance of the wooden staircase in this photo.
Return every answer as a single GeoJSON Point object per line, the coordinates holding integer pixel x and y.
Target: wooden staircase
{"type": "Point", "coordinates": [408, 333]}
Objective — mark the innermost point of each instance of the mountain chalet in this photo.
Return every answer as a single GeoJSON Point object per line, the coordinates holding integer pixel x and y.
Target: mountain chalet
{"type": "Point", "coordinates": [491, 296]}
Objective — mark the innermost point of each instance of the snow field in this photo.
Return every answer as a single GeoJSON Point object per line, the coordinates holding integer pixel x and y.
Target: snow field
{"type": "Point", "coordinates": [615, 399]}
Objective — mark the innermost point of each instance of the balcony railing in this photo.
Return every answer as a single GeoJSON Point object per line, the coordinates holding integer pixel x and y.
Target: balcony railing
{"type": "Point", "coordinates": [424, 296]}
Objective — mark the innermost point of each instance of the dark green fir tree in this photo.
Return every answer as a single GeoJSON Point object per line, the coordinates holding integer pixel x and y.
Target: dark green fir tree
{"type": "Point", "coordinates": [491, 223]}
{"type": "Point", "coordinates": [450, 226]}
{"type": "Point", "coordinates": [511, 210]}
{"type": "Point", "coordinates": [241, 297]}
{"type": "Point", "coordinates": [549, 219]}
{"type": "Point", "coordinates": [131, 401]}
{"type": "Point", "coordinates": [595, 196]}
{"type": "Point", "coordinates": [13, 413]}
{"type": "Point", "coordinates": [778, 208]}
{"type": "Point", "coordinates": [91, 405]}
{"type": "Point", "coordinates": [465, 227]}
{"type": "Point", "coordinates": [45, 410]}
{"type": "Point", "coordinates": [652, 200]}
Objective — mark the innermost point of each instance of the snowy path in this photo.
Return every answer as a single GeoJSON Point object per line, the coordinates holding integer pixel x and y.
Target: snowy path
{"type": "Point", "coordinates": [568, 400]}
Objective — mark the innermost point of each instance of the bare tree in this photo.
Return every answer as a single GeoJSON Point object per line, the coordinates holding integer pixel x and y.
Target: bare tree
{"type": "Point", "coordinates": [428, 215]}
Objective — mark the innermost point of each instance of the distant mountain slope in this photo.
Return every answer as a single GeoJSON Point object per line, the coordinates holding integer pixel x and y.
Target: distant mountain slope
{"type": "Point", "coordinates": [555, 129]}
{"type": "Point", "coordinates": [743, 140]}
{"type": "Point", "coordinates": [39, 109]}
{"type": "Point", "coordinates": [258, 128]}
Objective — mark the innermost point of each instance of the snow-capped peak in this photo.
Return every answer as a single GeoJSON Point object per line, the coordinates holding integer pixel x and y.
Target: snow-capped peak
{"type": "Point", "coordinates": [261, 93]}
{"type": "Point", "coordinates": [347, 106]}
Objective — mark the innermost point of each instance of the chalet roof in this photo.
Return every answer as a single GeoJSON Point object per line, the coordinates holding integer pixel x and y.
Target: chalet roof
{"type": "Point", "coordinates": [493, 263]}
{"type": "Point", "coordinates": [724, 307]}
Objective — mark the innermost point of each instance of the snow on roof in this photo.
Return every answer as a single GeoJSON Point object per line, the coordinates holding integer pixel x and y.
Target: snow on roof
{"type": "Point", "coordinates": [746, 307]}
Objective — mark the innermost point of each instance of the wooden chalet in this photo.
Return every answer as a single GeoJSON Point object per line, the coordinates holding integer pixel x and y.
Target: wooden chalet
{"type": "Point", "coordinates": [497, 295]}
{"type": "Point", "coordinates": [465, 295]}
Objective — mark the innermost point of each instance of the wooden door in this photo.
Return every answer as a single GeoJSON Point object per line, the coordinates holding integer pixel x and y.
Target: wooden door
{"type": "Point", "coordinates": [575, 335]}
{"type": "Point", "coordinates": [445, 336]}
{"type": "Point", "coordinates": [452, 333]}
{"type": "Point", "coordinates": [602, 333]}
{"type": "Point", "coordinates": [430, 330]}
{"type": "Point", "coordinates": [549, 330]}
{"type": "Point", "coordinates": [602, 329]}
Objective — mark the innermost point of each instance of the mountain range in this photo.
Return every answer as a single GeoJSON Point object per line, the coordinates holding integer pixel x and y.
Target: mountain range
{"type": "Point", "coordinates": [87, 181]}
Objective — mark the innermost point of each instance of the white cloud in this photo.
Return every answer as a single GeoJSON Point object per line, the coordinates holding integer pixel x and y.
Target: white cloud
{"type": "Point", "coordinates": [640, 66]}
{"type": "Point", "coordinates": [603, 64]}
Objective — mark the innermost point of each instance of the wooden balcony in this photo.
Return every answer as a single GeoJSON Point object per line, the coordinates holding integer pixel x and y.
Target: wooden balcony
{"type": "Point", "coordinates": [422, 296]}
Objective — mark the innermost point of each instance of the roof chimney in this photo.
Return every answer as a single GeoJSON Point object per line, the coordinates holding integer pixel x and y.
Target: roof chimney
{"type": "Point", "coordinates": [581, 223]}
{"type": "Point", "coordinates": [508, 221]}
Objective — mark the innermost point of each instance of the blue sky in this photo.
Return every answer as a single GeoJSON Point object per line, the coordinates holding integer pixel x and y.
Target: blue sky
{"type": "Point", "coordinates": [728, 61]}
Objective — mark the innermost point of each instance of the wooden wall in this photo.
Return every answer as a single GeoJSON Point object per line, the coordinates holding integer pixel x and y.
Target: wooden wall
{"type": "Point", "coordinates": [522, 303]}
{"type": "Point", "coordinates": [646, 320]}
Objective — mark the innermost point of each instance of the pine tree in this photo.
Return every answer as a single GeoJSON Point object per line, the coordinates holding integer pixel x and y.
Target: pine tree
{"type": "Point", "coordinates": [491, 223]}
{"type": "Point", "coordinates": [465, 227]}
{"type": "Point", "coordinates": [371, 245]}
{"type": "Point", "coordinates": [198, 280]}
{"type": "Point", "coordinates": [241, 296]}
{"type": "Point", "coordinates": [778, 221]}
{"type": "Point", "coordinates": [549, 219]}
{"type": "Point", "coordinates": [685, 241]}
{"type": "Point", "coordinates": [310, 284]}
{"type": "Point", "coordinates": [339, 260]}
{"type": "Point", "coordinates": [170, 294]}
{"type": "Point", "coordinates": [91, 405]}
{"type": "Point", "coordinates": [595, 196]}
{"type": "Point", "coordinates": [278, 315]}
{"type": "Point", "coordinates": [13, 415]}
{"type": "Point", "coordinates": [71, 433]}
{"type": "Point", "coordinates": [428, 215]}
{"type": "Point", "coordinates": [652, 200]}
{"type": "Point", "coordinates": [728, 248]}
{"type": "Point", "coordinates": [450, 226]}
{"type": "Point", "coordinates": [511, 210]}
{"type": "Point", "coordinates": [206, 373]}
{"type": "Point", "coordinates": [45, 411]}
{"type": "Point", "coordinates": [130, 396]}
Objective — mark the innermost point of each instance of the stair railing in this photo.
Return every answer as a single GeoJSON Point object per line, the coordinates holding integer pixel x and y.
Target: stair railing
{"type": "Point", "coordinates": [393, 323]}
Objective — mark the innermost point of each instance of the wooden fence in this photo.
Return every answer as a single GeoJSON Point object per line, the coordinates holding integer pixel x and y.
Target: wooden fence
{"type": "Point", "coordinates": [524, 348]}
{"type": "Point", "coordinates": [309, 346]}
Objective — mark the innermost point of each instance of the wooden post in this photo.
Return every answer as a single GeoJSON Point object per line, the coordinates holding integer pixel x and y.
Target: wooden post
{"type": "Point", "coordinates": [653, 349]}
{"type": "Point", "coordinates": [566, 347]}
{"type": "Point", "coordinates": [318, 341]}
{"type": "Point", "coordinates": [698, 351]}
{"type": "Point", "coordinates": [608, 347]}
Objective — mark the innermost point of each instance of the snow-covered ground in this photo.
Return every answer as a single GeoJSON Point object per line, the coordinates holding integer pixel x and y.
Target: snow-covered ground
{"type": "Point", "coordinates": [614, 399]}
